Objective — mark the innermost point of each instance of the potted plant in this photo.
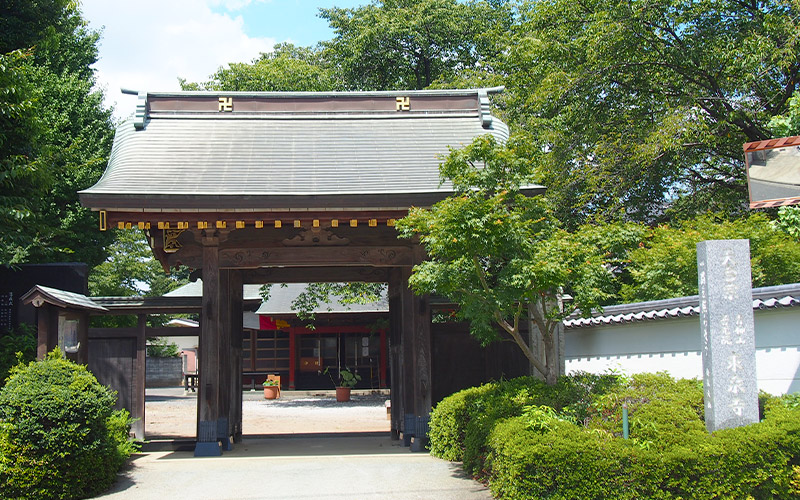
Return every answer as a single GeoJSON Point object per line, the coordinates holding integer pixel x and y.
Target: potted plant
{"type": "Point", "coordinates": [347, 380]}
{"type": "Point", "coordinates": [271, 389]}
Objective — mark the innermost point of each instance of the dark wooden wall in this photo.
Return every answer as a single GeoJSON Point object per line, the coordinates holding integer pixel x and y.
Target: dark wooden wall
{"type": "Point", "coordinates": [16, 282]}
{"type": "Point", "coordinates": [113, 362]}
{"type": "Point", "coordinates": [460, 362]}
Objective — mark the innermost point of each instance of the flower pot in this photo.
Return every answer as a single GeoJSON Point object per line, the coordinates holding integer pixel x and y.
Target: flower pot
{"type": "Point", "coordinates": [343, 394]}
{"type": "Point", "coordinates": [271, 392]}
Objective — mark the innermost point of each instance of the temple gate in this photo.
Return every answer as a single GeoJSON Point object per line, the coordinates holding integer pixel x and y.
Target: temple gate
{"type": "Point", "coordinates": [288, 187]}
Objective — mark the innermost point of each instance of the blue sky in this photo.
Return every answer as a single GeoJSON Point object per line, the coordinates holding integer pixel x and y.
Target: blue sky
{"type": "Point", "coordinates": [295, 20]}
{"type": "Point", "coordinates": [149, 44]}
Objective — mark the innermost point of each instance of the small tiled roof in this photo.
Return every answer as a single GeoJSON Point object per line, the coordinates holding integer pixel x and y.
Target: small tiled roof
{"type": "Point", "coordinates": [281, 298]}
{"type": "Point", "coordinates": [763, 298]}
{"type": "Point", "coordinates": [62, 298]}
{"type": "Point", "coordinates": [181, 153]}
{"type": "Point", "coordinates": [250, 293]}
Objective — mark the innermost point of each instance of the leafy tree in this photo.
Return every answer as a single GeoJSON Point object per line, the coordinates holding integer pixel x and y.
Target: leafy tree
{"type": "Point", "coordinates": [286, 68]}
{"type": "Point", "coordinates": [55, 134]}
{"type": "Point", "coordinates": [130, 269]}
{"type": "Point", "coordinates": [665, 266]}
{"type": "Point", "coordinates": [784, 126]}
{"type": "Point", "coordinates": [408, 44]}
{"type": "Point", "coordinates": [639, 109]}
{"type": "Point", "coordinates": [22, 179]}
{"type": "Point", "coordinates": [789, 221]}
{"type": "Point", "coordinates": [317, 295]}
{"type": "Point", "coordinates": [501, 255]}
{"type": "Point", "coordinates": [787, 124]}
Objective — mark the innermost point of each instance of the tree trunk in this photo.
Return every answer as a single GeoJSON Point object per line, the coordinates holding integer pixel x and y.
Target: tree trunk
{"type": "Point", "coordinates": [546, 341]}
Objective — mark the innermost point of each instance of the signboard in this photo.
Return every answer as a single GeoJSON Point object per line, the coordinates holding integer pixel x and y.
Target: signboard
{"type": "Point", "coordinates": [773, 172]}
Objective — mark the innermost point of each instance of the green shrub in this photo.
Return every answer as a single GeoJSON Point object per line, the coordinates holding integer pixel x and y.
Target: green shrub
{"type": "Point", "coordinates": [59, 434]}
{"type": "Point", "coordinates": [660, 409]}
{"type": "Point", "coordinates": [565, 461]}
{"type": "Point", "coordinates": [461, 423]}
{"type": "Point", "coordinates": [18, 344]}
{"type": "Point", "coordinates": [543, 455]}
{"type": "Point", "coordinates": [160, 347]}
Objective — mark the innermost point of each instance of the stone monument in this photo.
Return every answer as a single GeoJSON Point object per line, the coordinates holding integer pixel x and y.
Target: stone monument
{"type": "Point", "coordinates": [726, 323]}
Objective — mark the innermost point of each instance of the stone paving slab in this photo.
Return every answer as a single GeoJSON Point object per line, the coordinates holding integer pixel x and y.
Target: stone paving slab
{"type": "Point", "coordinates": [298, 468]}
{"type": "Point", "coordinates": [171, 413]}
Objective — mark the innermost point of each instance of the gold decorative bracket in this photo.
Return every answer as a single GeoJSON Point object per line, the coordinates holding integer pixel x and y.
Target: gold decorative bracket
{"type": "Point", "coordinates": [171, 244]}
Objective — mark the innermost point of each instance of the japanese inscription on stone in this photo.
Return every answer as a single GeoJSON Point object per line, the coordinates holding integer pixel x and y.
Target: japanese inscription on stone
{"type": "Point", "coordinates": [726, 324]}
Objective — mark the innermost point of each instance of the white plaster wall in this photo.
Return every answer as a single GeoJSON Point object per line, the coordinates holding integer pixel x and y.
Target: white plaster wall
{"type": "Point", "coordinates": [673, 345]}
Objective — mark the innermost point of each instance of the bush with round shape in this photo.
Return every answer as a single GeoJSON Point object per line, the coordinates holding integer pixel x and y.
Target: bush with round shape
{"type": "Point", "coordinates": [461, 423]}
{"type": "Point", "coordinates": [59, 434]}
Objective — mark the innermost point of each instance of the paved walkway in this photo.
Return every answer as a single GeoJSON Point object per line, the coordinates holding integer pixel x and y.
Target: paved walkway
{"type": "Point", "coordinates": [346, 467]}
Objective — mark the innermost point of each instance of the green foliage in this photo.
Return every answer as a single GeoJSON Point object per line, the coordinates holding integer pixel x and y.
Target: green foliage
{"type": "Point", "coordinates": [461, 423]}
{"type": "Point", "coordinates": [493, 250]}
{"type": "Point", "coordinates": [789, 221]}
{"type": "Point", "coordinates": [346, 377]}
{"type": "Point", "coordinates": [665, 265]}
{"type": "Point", "coordinates": [59, 434]}
{"type": "Point", "coordinates": [407, 44]}
{"type": "Point", "coordinates": [319, 296]}
{"type": "Point", "coordinates": [160, 347]}
{"type": "Point", "coordinates": [529, 448]}
{"type": "Point", "coordinates": [130, 269]}
{"type": "Point", "coordinates": [661, 411]}
{"type": "Point", "coordinates": [640, 106]}
{"type": "Point", "coordinates": [789, 123]}
{"type": "Point", "coordinates": [55, 134]}
{"type": "Point", "coordinates": [286, 68]}
{"type": "Point", "coordinates": [568, 462]}
{"type": "Point", "coordinates": [16, 346]}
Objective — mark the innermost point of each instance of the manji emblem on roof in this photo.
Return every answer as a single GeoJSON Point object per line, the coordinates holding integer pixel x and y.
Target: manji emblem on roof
{"type": "Point", "coordinates": [226, 104]}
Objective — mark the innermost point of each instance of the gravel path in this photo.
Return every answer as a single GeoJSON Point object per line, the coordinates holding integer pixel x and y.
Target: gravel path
{"type": "Point", "coordinates": [171, 413]}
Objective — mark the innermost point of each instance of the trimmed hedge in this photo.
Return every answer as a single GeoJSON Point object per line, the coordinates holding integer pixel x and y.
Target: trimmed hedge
{"type": "Point", "coordinates": [460, 424]}
{"type": "Point", "coordinates": [758, 461]}
{"type": "Point", "coordinates": [527, 451]}
{"type": "Point", "coordinates": [59, 434]}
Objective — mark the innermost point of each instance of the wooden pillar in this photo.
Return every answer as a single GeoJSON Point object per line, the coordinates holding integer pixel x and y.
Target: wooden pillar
{"type": "Point", "coordinates": [292, 357]}
{"type": "Point", "coordinates": [83, 339]}
{"type": "Point", "coordinates": [396, 352]}
{"type": "Point", "coordinates": [224, 367]}
{"type": "Point", "coordinates": [209, 367]}
{"type": "Point", "coordinates": [235, 358]}
{"type": "Point", "coordinates": [46, 329]}
{"type": "Point", "coordinates": [415, 356]}
{"type": "Point", "coordinates": [383, 358]}
{"type": "Point", "coordinates": [137, 411]}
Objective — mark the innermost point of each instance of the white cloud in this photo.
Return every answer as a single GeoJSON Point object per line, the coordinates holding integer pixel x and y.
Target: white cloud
{"type": "Point", "coordinates": [148, 44]}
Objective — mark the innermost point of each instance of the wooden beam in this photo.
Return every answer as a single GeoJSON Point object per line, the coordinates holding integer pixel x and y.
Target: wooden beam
{"type": "Point", "coordinates": [316, 256]}
{"type": "Point", "coordinates": [364, 274]}
{"type": "Point", "coordinates": [131, 220]}
{"type": "Point", "coordinates": [165, 331]}
{"type": "Point", "coordinates": [254, 258]}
